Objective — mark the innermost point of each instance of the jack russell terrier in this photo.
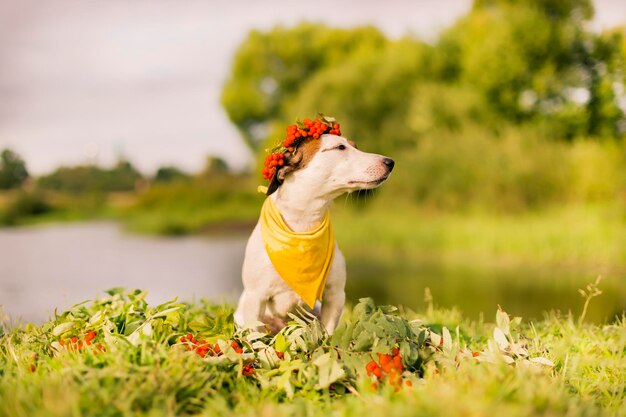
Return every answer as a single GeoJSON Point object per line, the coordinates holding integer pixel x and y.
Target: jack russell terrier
{"type": "Point", "coordinates": [292, 258]}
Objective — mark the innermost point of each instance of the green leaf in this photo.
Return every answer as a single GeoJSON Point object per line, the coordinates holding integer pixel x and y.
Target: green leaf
{"type": "Point", "coordinates": [329, 370]}
{"type": "Point", "coordinates": [542, 361]}
{"type": "Point", "coordinates": [280, 343]}
{"type": "Point", "coordinates": [447, 339]}
{"type": "Point", "coordinates": [63, 328]}
{"type": "Point", "coordinates": [503, 322]}
{"type": "Point", "coordinates": [363, 342]}
{"type": "Point", "coordinates": [166, 312]}
{"type": "Point", "coordinates": [500, 338]}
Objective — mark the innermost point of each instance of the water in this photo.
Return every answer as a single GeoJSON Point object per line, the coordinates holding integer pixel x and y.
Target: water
{"type": "Point", "coordinates": [528, 291]}
{"type": "Point", "coordinates": [56, 266]}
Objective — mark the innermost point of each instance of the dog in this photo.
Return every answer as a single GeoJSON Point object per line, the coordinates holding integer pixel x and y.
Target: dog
{"type": "Point", "coordinates": [318, 171]}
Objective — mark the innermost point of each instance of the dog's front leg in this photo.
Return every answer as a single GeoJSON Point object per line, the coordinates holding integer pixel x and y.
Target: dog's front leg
{"type": "Point", "coordinates": [332, 307]}
{"type": "Point", "coordinates": [251, 308]}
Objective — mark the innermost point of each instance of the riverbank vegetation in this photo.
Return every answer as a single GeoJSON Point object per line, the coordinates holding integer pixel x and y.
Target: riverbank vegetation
{"type": "Point", "coordinates": [119, 356]}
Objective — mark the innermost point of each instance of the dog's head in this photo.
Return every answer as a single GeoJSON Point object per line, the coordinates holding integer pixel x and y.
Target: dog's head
{"type": "Point", "coordinates": [330, 166]}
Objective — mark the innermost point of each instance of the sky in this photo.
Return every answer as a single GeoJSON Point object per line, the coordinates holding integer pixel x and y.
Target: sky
{"type": "Point", "coordinates": [91, 80]}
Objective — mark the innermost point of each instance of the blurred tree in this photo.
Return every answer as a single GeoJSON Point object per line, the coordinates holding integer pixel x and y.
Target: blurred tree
{"type": "Point", "coordinates": [270, 68]}
{"type": "Point", "coordinates": [535, 60]}
{"type": "Point", "coordinates": [471, 117]}
{"type": "Point", "coordinates": [170, 174]}
{"type": "Point", "coordinates": [214, 165]}
{"type": "Point", "coordinates": [90, 178]}
{"type": "Point", "coordinates": [12, 170]}
{"type": "Point", "coordinates": [368, 94]}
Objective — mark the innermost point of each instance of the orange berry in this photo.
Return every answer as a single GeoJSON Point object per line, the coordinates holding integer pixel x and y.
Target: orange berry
{"type": "Point", "coordinates": [383, 359]}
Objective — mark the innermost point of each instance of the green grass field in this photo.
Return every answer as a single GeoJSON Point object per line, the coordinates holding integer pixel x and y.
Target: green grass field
{"type": "Point", "coordinates": [118, 356]}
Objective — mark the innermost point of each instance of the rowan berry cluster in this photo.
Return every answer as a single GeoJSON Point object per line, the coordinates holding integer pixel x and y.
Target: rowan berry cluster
{"type": "Point", "coordinates": [310, 128]}
{"type": "Point", "coordinates": [273, 160]}
{"type": "Point", "coordinates": [202, 348]}
{"type": "Point", "coordinates": [74, 343]}
{"type": "Point", "coordinates": [388, 367]}
{"type": "Point", "coordinates": [296, 133]}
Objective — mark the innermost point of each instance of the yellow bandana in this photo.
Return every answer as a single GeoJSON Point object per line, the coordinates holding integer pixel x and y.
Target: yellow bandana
{"type": "Point", "coordinates": [301, 259]}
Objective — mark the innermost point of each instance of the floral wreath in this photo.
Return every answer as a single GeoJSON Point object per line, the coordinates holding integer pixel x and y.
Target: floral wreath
{"type": "Point", "coordinates": [296, 134]}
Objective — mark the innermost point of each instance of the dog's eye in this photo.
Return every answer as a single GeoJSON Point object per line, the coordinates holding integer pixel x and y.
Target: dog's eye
{"type": "Point", "coordinates": [341, 147]}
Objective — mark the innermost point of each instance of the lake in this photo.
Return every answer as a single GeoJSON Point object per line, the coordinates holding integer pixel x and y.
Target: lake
{"type": "Point", "coordinates": [56, 266]}
{"type": "Point", "coordinates": [60, 265]}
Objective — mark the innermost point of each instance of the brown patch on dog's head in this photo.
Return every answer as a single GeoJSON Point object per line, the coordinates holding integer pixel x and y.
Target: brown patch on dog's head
{"type": "Point", "coordinates": [299, 159]}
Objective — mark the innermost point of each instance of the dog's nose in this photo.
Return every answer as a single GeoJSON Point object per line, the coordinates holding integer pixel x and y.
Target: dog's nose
{"type": "Point", "coordinates": [389, 163]}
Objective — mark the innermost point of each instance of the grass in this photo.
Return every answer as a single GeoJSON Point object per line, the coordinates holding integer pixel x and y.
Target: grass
{"type": "Point", "coordinates": [579, 235]}
{"type": "Point", "coordinates": [136, 364]}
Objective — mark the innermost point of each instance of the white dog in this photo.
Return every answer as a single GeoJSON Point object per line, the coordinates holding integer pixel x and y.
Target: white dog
{"type": "Point", "coordinates": [321, 170]}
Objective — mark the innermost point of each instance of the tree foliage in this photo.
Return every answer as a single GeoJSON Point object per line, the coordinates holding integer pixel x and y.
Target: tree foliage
{"type": "Point", "coordinates": [270, 68]}
{"type": "Point", "coordinates": [505, 62]}
{"type": "Point", "coordinates": [494, 112]}
{"type": "Point", "coordinates": [536, 61]}
{"type": "Point", "coordinates": [13, 170]}
{"type": "Point", "coordinates": [91, 178]}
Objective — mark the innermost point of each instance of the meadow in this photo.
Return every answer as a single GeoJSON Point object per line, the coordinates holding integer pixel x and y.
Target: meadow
{"type": "Point", "coordinates": [118, 356]}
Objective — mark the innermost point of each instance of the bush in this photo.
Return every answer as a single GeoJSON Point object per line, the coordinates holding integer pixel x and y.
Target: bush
{"type": "Point", "coordinates": [25, 204]}
{"type": "Point", "coordinates": [91, 178]}
{"type": "Point", "coordinates": [189, 206]}
{"type": "Point", "coordinates": [450, 170]}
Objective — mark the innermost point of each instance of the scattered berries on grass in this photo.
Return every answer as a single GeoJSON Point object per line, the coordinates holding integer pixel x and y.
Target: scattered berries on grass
{"type": "Point", "coordinates": [204, 348]}
{"type": "Point", "coordinates": [389, 367]}
{"type": "Point", "coordinates": [74, 343]}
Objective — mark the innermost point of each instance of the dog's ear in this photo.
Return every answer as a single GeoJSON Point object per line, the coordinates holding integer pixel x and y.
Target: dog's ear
{"type": "Point", "coordinates": [293, 161]}
{"type": "Point", "coordinates": [278, 178]}
{"type": "Point", "coordinates": [274, 184]}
